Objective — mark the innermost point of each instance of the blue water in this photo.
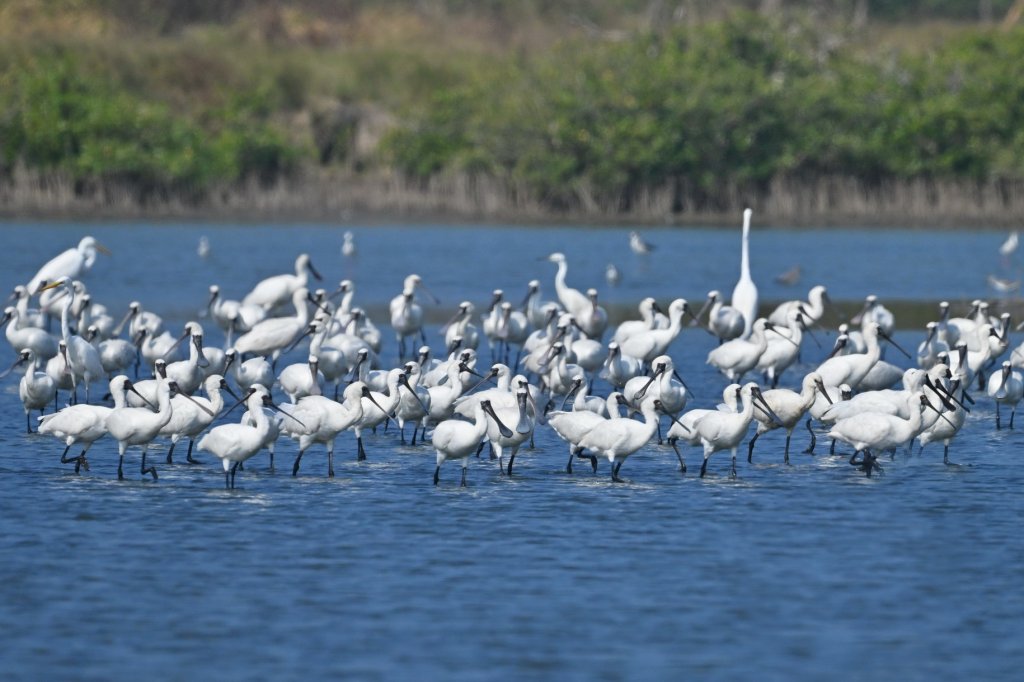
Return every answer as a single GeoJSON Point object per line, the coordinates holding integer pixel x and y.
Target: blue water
{"type": "Point", "coordinates": [810, 571]}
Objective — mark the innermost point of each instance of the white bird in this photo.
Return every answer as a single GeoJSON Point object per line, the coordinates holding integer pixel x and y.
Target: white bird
{"type": "Point", "coordinates": [583, 402]}
{"type": "Point", "coordinates": [612, 275]}
{"type": "Point", "coordinates": [851, 369]}
{"type": "Point", "coordinates": [458, 439]}
{"type": "Point", "coordinates": [279, 289]}
{"type": "Point", "coordinates": [1006, 388]}
{"type": "Point", "coordinates": [650, 344]}
{"type": "Point", "coordinates": [721, 430]}
{"type": "Point", "coordinates": [301, 379]}
{"type": "Point", "coordinates": [725, 322]}
{"type": "Point", "coordinates": [231, 316]}
{"type": "Point", "coordinates": [407, 314]}
{"type": "Point", "coordinates": [235, 443]}
{"type": "Point", "coordinates": [1007, 248]}
{"type": "Point", "coordinates": [665, 384]}
{"type": "Point", "coordinates": [619, 368]}
{"type": "Point", "coordinates": [29, 317]}
{"type": "Point", "coordinates": [83, 424]}
{"type": "Point", "coordinates": [684, 428]}
{"type": "Point", "coordinates": [519, 414]}
{"type": "Point", "coordinates": [813, 309]}
{"type": "Point", "coordinates": [72, 264]}
{"type": "Point", "coordinates": [58, 369]}
{"type": "Point", "coordinates": [414, 404]}
{"type": "Point", "coordinates": [639, 245]}
{"type": "Point", "coordinates": [789, 406]}
{"type": "Point", "coordinates": [783, 348]}
{"type": "Point", "coordinates": [190, 415]}
{"type": "Point", "coordinates": [537, 309]}
{"type": "Point", "coordinates": [648, 310]}
{"type": "Point", "coordinates": [737, 357]}
{"type": "Point", "coordinates": [250, 372]}
{"type": "Point", "coordinates": [83, 358]}
{"type": "Point", "coordinates": [944, 430]}
{"type": "Point", "coordinates": [929, 350]}
{"type": "Point", "coordinates": [593, 321]}
{"type": "Point", "coordinates": [273, 335]}
{"type": "Point", "coordinates": [19, 335]}
{"type": "Point", "coordinates": [870, 433]}
{"type": "Point", "coordinates": [512, 329]}
{"type": "Point", "coordinates": [377, 407]}
{"type": "Point", "coordinates": [203, 248]}
{"type": "Point", "coordinates": [617, 439]}
{"type": "Point", "coordinates": [573, 426]}
{"type": "Point", "coordinates": [319, 420]}
{"type": "Point", "coordinates": [462, 325]}
{"type": "Point", "coordinates": [574, 301]}
{"type": "Point", "coordinates": [137, 319]}
{"type": "Point", "coordinates": [140, 425]}
{"type": "Point", "coordinates": [744, 294]}
{"type": "Point", "coordinates": [873, 311]}
{"type": "Point", "coordinates": [36, 388]}
{"type": "Point", "coordinates": [189, 374]}
{"type": "Point", "coordinates": [348, 244]}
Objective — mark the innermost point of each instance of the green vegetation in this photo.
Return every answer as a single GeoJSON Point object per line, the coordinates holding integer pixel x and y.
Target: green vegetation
{"type": "Point", "coordinates": [576, 104]}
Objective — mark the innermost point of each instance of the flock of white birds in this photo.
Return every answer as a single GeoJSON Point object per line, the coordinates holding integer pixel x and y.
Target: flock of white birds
{"type": "Point", "coordinates": [545, 357]}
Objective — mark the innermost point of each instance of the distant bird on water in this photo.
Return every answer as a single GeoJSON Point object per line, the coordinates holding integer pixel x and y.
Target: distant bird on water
{"type": "Point", "coordinates": [348, 245]}
{"type": "Point", "coordinates": [203, 250]}
{"type": "Point", "coordinates": [639, 245]}
{"type": "Point", "coordinates": [789, 277]}
{"type": "Point", "coordinates": [1009, 246]}
{"type": "Point", "coordinates": [612, 275]}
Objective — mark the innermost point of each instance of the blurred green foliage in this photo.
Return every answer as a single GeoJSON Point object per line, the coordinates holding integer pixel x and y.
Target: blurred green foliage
{"type": "Point", "coordinates": [738, 101]}
{"type": "Point", "coordinates": [741, 101]}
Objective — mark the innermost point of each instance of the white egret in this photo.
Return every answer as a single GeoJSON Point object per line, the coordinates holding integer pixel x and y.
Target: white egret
{"type": "Point", "coordinates": [744, 294]}
{"type": "Point", "coordinates": [72, 264]}
{"type": "Point", "coordinates": [573, 300]}
{"type": "Point", "coordinates": [639, 245]}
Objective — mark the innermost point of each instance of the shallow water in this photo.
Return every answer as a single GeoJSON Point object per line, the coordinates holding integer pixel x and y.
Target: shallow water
{"type": "Point", "coordinates": [810, 571]}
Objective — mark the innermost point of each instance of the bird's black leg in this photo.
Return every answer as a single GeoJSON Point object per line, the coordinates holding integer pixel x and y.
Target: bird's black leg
{"type": "Point", "coordinates": [679, 455]}
{"type": "Point", "coordinates": [330, 463]}
{"type": "Point", "coordinates": [170, 453]}
{"type": "Point", "coordinates": [361, 453]}
{"type": "Point", "coordinates": [233, 470]}
{"type": "Point", "coordinates": [147, 470]}
{"type": "Point", "coordinates": [750, 448]}
{"type": "Point", "coordinates": [814, 439]}
{"type": "Point", "coordinates": [788, 436]}
{"type": "Point", "coordinates": [120, 468]}
{"type": "Point", "coordinates": [437, 474]}
{"type": "Point", "coordinates": [295, 467]}
{"type": "Point", "coordinates": [192, 460]}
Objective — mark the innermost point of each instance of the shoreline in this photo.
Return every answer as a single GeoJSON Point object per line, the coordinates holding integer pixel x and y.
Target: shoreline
{"type": "Point", "coordinates": [379, 198]}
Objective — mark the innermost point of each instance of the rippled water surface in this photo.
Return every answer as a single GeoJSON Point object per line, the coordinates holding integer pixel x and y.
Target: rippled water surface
{"type": "Point", "coordinates": [809, 571]}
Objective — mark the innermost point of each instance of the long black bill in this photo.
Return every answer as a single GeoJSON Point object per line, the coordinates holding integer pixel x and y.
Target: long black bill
{"type": "Point", "coordinates": [502, 429]}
